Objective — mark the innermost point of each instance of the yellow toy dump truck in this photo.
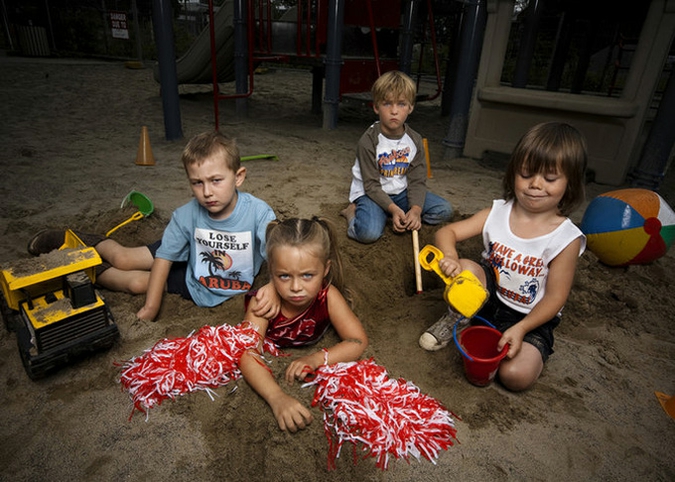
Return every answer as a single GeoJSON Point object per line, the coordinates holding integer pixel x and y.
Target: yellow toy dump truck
{"type": "Point", "coordinates": [52, 305]}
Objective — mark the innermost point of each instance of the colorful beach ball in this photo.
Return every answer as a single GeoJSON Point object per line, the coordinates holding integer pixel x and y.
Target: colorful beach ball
{"type": "Point", "coordinates": [628, 226]}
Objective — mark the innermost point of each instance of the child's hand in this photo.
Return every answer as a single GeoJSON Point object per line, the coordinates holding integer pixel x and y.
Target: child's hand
{"type": "Point", "coordinates": [398, 220]}
{"type": "Point", "coordinates": [449, 266]}
{"type": "Point", "coordinates": [268, 302]}
{"type": "Point", "coordinates": [291, 415]}
{"type": "Point", "coordinates": [413, 218]}
{"type": "Point", "coordinates": [146, 314]}
{"type": "Point", "coordinates": [300, 368]}
{"type": "Point", "coordinates": [514, 338]}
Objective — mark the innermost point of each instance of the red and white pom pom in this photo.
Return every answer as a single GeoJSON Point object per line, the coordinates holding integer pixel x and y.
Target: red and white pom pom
{"type": "Point", "coordinates": [206, 359]}
{"type": "Point", "coordinates": [381, 416]}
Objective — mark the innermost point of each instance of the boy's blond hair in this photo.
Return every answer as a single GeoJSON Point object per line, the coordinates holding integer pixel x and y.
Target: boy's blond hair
{"type": "Point", "coordinates": [392, 86]}
{"type": "Point", "coordinates": [207, 144]}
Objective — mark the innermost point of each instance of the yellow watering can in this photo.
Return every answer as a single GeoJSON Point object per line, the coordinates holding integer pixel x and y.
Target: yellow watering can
{"type": "Point", "coordinates": [464, 293]}
{"type": "Point", "coordinates": [140, 201]}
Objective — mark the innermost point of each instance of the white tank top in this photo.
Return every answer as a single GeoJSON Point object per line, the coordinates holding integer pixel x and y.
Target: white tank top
{"type": "Point", "coordinates": [521, 265]}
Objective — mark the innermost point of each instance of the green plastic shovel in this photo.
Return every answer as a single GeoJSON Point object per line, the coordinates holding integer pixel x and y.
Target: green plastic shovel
{"type": "Point", "coordinates": [141, 202]}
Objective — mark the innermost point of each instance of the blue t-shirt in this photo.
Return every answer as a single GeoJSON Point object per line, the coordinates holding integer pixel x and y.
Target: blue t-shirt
{"type": "Point", "coordinates": [223, 256]}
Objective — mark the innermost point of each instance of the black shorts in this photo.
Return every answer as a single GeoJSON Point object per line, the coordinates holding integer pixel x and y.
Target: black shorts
{"type": "Point", "coordinates": [504, 317]}
{"type": "Point", "coordinates": [175, 283]}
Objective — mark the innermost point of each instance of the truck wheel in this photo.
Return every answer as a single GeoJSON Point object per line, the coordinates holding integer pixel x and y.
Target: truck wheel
{"type": "Point", "coordinates": [23, 342]}
{"type": "Point", "coordinates": [27, 366]}
{"type": "Point", "coordinates": [11, 318]}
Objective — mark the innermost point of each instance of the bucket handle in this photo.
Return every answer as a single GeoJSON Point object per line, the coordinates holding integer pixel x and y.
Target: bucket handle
{"type": "Point", "coordinates": [454, 334]}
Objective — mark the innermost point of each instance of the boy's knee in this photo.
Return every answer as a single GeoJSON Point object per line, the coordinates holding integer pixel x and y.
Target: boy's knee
{"type": "Point", "coordinates": [111, 251]}
{"type": "Point", "coordinates": [446, 213]}
{"type": "Point", "coordinates": [118, 260]}
{"type": "Point", "coordinates": [439, 215]}
{"type": "Point", "coordinates": [138, 285]}
{"type": "Point", "coordinates": [365, 233]}
{"type": "Point", "coordinates": [365, 236]}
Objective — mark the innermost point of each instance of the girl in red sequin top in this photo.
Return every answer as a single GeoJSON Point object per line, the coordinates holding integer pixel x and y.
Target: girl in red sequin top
{"type": "Point", "coordinates": [306, 272]}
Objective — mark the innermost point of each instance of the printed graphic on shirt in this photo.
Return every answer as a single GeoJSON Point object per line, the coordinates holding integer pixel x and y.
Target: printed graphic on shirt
{"type": "Point", "coordinates": [224, 260]}
{"type": "Point", "coordinates": [394, 162]}
{"type": "Point", "coordinates": [518, 275]}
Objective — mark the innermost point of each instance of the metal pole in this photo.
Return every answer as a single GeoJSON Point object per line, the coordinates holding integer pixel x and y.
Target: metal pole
{"type": "Point", "coordinates": [472, 31]}
{"type": "Point", "coordinates": [454, 53]}
{"type": "Point", "coordinates": [527, 43]}
{"type": "Point", "coordinates": [317, 88]}
{"type": "Point", "coordinates": [137, 31]}
{"type": "Point", "coordinates": [106, 25]}
{"type": "Point", "coordinates": [405, 61]}
{"type": "Point", "coordinates": [333, 62]}
{"type": "Point", "coordinates": [214, 66]}
{"type": "Point", "coordinates": [162, 19]}
{"type": "Point", "coordinates": [49, 22]}
{"type": "Point", "coordinates": [561, 47]}
{"type": "Point", "coordinates": [240, 55]}
{"type": "Point", "coordinates": [656, 151]}
{"type": "Point", "coordinates": [5, 21]}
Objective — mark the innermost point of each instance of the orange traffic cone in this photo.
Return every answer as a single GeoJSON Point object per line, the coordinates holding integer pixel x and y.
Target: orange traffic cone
{"type": "Point", "coordinates": [144, 156]}
{"type": "Point", "coordinates": [667, 402]}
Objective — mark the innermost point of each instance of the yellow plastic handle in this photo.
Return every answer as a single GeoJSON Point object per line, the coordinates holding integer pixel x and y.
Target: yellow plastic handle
{"type": "Point", "coordinates": [465, 293]}
{"type": "Point", "coordinates": [136, 216]}
{"type": "Point", "coordinates": [429, 257]}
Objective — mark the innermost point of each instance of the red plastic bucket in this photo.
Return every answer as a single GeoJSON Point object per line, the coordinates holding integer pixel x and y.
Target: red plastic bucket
{"type": "Point", "coordinates": [478, 345]}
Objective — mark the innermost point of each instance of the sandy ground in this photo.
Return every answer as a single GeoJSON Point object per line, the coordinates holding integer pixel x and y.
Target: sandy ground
{"type": "Point", "coordinates": [70, 131]}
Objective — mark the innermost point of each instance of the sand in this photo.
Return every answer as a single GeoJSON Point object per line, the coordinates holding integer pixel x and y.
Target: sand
{"type": "Point", "coordinates": [70, 132]}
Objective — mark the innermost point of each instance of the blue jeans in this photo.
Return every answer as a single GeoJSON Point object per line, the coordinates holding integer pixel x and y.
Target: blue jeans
{"type": "Point", "coordinates": [368, 224]}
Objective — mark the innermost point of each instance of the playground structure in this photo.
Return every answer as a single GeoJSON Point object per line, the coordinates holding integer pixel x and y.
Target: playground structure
{"type": "Point", "coordinates": [346, 44]}
{"type": "Point", "coordinates": [349, 43]}
{"type": "Point", "coordinates": [613, 126]}
{"type": "Point", "coordinates": [349, 48]}
{"type": "Point", "coordinates": [246, 31]}
{"type": "Point", "coordinates": [194, 67]}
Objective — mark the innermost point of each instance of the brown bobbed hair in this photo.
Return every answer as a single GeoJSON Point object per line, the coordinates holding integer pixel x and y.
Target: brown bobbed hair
{"type": "Point", "coordinates": [551, 147]}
